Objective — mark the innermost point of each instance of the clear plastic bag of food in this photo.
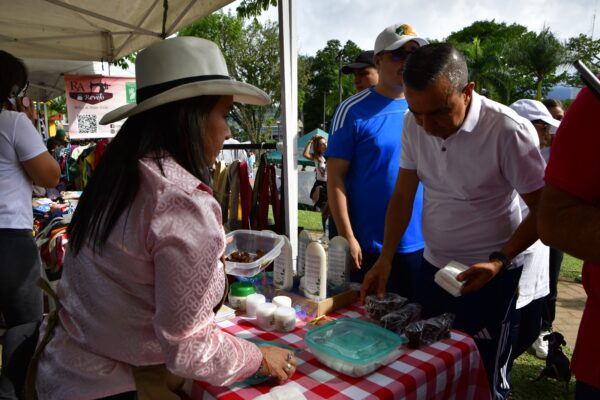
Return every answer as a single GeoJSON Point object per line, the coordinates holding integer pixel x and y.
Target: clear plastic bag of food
{"type": "Point", "coordinates": [377, 308]}
{"type": "Point", "coordinates": [397, 321]}
{"type": "Point", "coordinates": [426, 332]}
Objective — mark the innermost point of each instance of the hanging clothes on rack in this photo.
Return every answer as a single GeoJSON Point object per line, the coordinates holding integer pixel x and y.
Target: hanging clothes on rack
{"type": "Point", "coordinates": [265, 194]}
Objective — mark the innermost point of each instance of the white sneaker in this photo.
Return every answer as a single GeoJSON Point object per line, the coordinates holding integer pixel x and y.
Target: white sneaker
{"type": "Point", "coordinates": [540, 346]}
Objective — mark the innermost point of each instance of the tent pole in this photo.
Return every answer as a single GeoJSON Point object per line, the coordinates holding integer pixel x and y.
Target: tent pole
{"type": "Point", "coordinates": [289, 106]}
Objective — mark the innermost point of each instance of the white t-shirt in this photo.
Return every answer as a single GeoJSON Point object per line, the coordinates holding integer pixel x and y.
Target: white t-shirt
{"type": "Point", "coordinates": [19, 141]}
{"type": "Point", "coordinates": [320, 169]}
{"type": "Point", "coordinates": [535, 279]}
{"type": "Point", "coordinates": [470, 207]}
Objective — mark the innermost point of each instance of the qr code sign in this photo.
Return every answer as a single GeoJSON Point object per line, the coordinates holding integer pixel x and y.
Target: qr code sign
{"type": "Point", "coordinates": [87, 123]}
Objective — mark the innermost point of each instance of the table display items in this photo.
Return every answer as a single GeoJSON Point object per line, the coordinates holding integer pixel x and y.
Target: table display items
{"type": "Point", "coordinates": [285, 319]}
{"type": "Point", "coordinates": [303, 241]}
{"type": "Point", "coordinates": [376, 308]}
{"type": "Point", "coordinates": [338, 264]}
{"type": "Point", "coordinates": [249, 252]}
{"type": "Point", "coordinates": [353, 347]}
{"type": "Point", "coordinates": [238, 292]}
{"type": "Point", "coordinates": [265, 315]}
{"type": "Point", "coordinates": [283, 268]}
{"type": "Point", "coordinates": [428, 331]}
{"type": "Point", "coordinates": [315, 269]}
{"type": "Point", "coordinates": [397, 321]}
{"type": "Point", "coordinates": [252, 303]}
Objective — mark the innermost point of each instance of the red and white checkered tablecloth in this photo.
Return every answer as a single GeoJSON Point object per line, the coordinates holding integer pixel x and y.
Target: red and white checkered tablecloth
{"type": "Point", "coordinates": [449, 369]}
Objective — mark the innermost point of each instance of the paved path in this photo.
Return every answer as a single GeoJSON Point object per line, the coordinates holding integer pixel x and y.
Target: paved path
{"type": "Point", "coordinates": [569, 308]}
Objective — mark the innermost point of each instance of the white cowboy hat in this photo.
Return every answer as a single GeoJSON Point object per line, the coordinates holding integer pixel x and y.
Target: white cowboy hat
{"type": "Point", "coordinates": [181, 68]}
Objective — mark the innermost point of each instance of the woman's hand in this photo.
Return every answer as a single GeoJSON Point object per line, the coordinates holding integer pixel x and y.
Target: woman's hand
{"type": "Point", "coordinates": [277, 363]}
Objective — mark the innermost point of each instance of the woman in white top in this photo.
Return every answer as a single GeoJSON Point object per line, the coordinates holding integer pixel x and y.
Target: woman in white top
{"type": "Point", "coordinates": [23, 159]}
{"type": "Point", "coordinates": [318, 193]}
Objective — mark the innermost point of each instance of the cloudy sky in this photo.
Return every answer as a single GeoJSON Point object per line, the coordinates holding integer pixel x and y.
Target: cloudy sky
{"type": "Point", "coordinates": [361, 20]}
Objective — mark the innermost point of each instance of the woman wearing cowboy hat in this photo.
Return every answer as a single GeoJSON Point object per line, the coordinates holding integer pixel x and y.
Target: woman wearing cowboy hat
{"type": "Point", "coordinates": [142, 277]}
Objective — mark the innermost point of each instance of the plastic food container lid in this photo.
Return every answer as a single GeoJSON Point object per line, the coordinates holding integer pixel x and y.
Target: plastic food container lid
{"type": "Point", "coordinates": [353, 340]}
{"type": "Point", "coordinates": [250, 242]}
{"type": "Point", "coordinates": [241, 289]}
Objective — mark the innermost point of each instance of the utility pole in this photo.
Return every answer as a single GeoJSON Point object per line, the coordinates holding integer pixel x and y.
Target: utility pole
{"type": "Point", "coordinates": [338, 58]}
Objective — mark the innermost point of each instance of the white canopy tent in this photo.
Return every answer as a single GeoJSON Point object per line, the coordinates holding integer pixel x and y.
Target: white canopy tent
{"type": "Point", "coordinates": [106, 30]}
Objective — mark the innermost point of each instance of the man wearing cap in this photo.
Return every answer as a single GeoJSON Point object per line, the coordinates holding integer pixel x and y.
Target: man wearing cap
{"type": "Point", "coordinates": [363, 159]}
{"type": "Point", "coordinates": [472, 156]}
{"type": "Point", "coordinates": [365, 73]}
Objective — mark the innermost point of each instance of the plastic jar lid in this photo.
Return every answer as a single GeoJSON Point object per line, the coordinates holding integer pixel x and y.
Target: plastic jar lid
{"type": "Point", "coordinates": [241, 289]}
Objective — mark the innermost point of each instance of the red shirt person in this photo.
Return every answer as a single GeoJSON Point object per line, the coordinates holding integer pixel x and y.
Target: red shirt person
{"type": "Point", "coordinates": [569, 219]}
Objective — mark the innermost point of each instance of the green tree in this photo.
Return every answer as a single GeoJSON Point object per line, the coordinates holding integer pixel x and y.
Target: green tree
{"type": "Point", "coordinates": [586, 49]}
{"type": "Point", "coordinates": [539, 55]}
{"type": "Point", "coordinates": [322, 90]}
{"type": "Point", "coordinates": [251, 51]}
{"type": "Point", "coordinates": [487, 32]}
{"type": "Point", "coordinates": [253, 8]}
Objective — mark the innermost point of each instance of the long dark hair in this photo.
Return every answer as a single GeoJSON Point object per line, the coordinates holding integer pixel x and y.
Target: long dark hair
{"type": "Point", "coordinates": [177, 128]}
{"type": "Point", "coordinates": [13, 75]}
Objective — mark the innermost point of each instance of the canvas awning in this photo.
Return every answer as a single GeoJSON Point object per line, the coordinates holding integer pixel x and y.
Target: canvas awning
{"type": "Point", "coordinates": [93, 30]}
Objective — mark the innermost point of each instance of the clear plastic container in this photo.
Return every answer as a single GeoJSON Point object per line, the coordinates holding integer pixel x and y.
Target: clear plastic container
{"type": "Point", "coordinates": [250, 242]}
{"type": "Point", "coordinates": [353, 347]}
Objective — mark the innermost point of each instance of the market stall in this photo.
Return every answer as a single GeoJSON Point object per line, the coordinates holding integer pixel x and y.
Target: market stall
{"type": "Point", "coordinates": [451, 368]}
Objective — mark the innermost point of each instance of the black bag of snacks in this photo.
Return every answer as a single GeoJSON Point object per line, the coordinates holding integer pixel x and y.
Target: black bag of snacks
{"type": "Point", "coordinates": [426, 332]}
{"type": "Point", "coordinates": [377, 308]}
{"type": "Point", "coordinates": [397, 321]}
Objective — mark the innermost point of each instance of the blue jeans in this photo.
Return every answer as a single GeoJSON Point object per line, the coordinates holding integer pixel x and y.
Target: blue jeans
{"type": "Point", "coordinates": [484, 315]}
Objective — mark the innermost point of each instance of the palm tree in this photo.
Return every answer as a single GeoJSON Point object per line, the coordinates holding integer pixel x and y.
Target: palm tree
{"type": "Point", "coordinates": [539, 55]}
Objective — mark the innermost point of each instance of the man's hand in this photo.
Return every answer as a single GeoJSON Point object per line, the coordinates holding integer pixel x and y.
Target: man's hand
{"type": "Point", "coordinates": [376, 280]}
{"type": "Point", "coordinates": [478, 275]}
{"type": "Point", "coordinates": [355, 253]}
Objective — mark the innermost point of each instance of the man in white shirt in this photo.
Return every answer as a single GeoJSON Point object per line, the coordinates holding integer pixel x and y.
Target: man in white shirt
{"type": "Point", "coordinates": [472, 156]}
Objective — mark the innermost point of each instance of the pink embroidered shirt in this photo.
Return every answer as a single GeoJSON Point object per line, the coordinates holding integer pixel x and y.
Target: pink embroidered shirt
{"type": "Point", "coordinates": [147, 297]}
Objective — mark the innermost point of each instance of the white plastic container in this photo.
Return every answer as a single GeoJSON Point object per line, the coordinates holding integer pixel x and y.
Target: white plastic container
{"type": "Point", "coordinates": [315, 286]}
{"type": "Point", "coordinates": [338, 263]}
{"type": "Point", "coordinates": [252, 303]}
{"type": "Point", "coordinates": [285, 319]}
{"type": "Point", "coordinates": [265, 315]}
{"type": "Point", "coordinates": [282, 301]}
{"type": "Point", "coordinates": [283, 268]}
{"type": "Point", "coordinates": [303, 241]}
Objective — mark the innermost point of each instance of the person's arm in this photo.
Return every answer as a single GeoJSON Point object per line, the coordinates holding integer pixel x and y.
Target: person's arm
{"type": "Point", "coordinates": [478, 275]}
{"type": "Point", "coordinates": [307, 154]}
{"type": "Point", "coordinates": [43, 170]}
{"type": "Point", "coordinates": [337, 199]}
{"type": "Point", "coordinates": [569, 223]}
{"type": "Point", "coordinates": [397, 218]}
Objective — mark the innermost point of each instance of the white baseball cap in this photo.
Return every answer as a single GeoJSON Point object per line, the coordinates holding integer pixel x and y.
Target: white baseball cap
{"type": "Point", "coordinates": [395, 36]}
{"type": "Point", "coordinates": [534, 110]}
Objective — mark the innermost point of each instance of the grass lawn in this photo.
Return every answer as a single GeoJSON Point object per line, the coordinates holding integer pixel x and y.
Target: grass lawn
{"type": "Point", "coordinates": [570, 268]}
